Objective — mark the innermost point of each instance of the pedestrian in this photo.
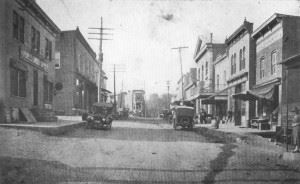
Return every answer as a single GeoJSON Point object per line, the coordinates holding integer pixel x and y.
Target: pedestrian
{"type": "Point", "coordinates": [203, 116]}
{"type": "Point", "coordinates": [229, 116]}
{"type": "Point", "coordinates": [296, 129]}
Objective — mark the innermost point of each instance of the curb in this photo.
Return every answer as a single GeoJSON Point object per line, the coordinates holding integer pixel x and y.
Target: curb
{"type": "Point", "coordinates": [240, 138]}
{"type": "Point", "coordinates": [50, 130]}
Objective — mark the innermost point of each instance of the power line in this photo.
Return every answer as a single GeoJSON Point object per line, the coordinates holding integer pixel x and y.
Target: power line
{"type": "Point", "coordinates": [100, 57]}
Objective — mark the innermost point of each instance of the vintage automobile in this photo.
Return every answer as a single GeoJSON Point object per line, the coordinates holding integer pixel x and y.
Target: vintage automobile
{"type": "Point", "coordinates": [183, 116]}
{"type": "Point", "coordinates": [101, 117]}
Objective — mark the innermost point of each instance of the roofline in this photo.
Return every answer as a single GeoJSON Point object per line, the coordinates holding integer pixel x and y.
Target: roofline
{"type": "Point", "coordinates": [81, 38]}
{"type": "Point", "coordinates": [51, 24]}
{"type": "Point", "coordinates": [204, 49]}
{"type": "Point", "coordinates": [248, 26]}
{"type": "Point", "coordinates": [269, 20]}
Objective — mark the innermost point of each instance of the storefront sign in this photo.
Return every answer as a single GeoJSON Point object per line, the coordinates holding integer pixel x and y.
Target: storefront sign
{"type": "Point", "coordinates": [34, 60]}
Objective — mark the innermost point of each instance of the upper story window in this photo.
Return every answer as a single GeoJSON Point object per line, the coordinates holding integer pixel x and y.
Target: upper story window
{"type": "Point", "coordinates": [261, 67]}
{"type": "Point", "coordinates": [206, 68]}
{"type": "Point", "coordinates": [273, 62]}
{"type": "Point", "coordinates": [35, 41]}
{"type": "Point", "coordinates": [218, 82]}
{"type": "Point", "coordinates": [225, 77]}
{"type": "Point", "coordinates": [48, 49]}
{"type": "Point", "coordinates": [198, 74]}
{"type": "Point", "coordinates": [241, 59]}
{"type": "Point", "coordinates": [18, 27]}
{"type": "Point", "coordinates": [233, 64]}
{"type": "Point", "coordinates": [202, 73]}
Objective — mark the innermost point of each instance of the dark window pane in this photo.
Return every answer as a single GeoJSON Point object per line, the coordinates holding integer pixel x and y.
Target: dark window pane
{"type": "Point", "coordinates": [15, 25]}
{"type": "Point", "coordinates": [14, 82]}
{"type": "Point", "coordinates": [21, 31]}
{"type": "Point", "coordinates": [22, 83]}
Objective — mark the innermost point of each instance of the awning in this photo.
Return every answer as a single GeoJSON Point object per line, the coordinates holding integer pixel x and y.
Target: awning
{"type": "Point", "coordinates": [246, 96]}
{"type": "Point", "coordinates": [105, 90]}
{"type": "Point", "coordinates": [265, 92]}
{"type": "Point", "coordinates": [212, 100]}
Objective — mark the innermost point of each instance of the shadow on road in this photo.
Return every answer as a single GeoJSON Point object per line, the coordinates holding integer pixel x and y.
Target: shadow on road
{"type": "Point", "coordinates": [139, 134]}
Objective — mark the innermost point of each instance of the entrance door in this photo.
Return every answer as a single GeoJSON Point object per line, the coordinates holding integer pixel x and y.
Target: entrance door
{"type": "Point", "coordinates": [35, 88]}
{"type": "Point", "coordinates": [237, 106]}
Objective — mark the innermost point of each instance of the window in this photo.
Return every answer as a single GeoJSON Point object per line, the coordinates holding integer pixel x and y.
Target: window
{"type": "Point", "coordinates": [48, 91]}
{"type": "Point", "coordinates": [48, 50]}
{"type": "Point", "coordinates": [241, 59]}
{"type": "Point", "coordinates": [244, 58]}
{"type": "Point", "coordinates": [261, 67]}
{"type": "Point", "coordinates": [273, 62]}
{"type": "Point", "coordinates": [218, 82]}
{"type": "Point", "coordinates": [202, 73]}
{"type": "Point", "coordinates": [18, 27]}
{"type": "Point", "coordinates": [18, 82]}
{"type": "Point", "coordinates": [35, 41]}
{"type": "Point", "coordinates": [206, 68]}
{"type": "Point", "coordinates": [198, 74]}
{"type": "Point", "coordinates": [233, 64]}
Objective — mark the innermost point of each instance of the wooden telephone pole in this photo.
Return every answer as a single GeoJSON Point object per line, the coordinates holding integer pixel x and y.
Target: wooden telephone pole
{"type": "Point", "coordinates": [100, 57]}
{"type": "Point", "coordinates": [180, 59]}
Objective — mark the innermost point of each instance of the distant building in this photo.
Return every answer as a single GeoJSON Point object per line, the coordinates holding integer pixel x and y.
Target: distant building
{"type": "Point", "coordinates": [27, 73]}
{"type": "Point", "coordinates": [78, 72]}
{"type": "Point", "coordinates": [135, 102]}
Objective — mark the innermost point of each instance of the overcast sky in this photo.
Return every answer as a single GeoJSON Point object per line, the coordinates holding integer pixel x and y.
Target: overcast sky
{"type": "Point", "coordinates": [146, 30]}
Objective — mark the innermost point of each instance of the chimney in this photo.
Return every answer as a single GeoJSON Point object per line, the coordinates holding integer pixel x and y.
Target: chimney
{"type": "Point", "coordinates": [211, 37]}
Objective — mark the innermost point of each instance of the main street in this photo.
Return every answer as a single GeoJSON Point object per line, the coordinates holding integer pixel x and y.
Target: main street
{"type": "Point", "coordinates": [135, 152]}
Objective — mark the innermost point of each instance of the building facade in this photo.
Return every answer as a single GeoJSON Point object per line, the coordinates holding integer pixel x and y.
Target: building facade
{"type": "Point", "coordinates": [277, 40]}
{"type": "Point", "coordinates": [241, 77]}
{"type": "Point", "coordinates": [204, 58]}
{"type": "Point", "coordinates": [78, 72]}
{"type": "Point", "coordinates": [26, 60]}
{"type": "Point", "coordinates": [219, 98]}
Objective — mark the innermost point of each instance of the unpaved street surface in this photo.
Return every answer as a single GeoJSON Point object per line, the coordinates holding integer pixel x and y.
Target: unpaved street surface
{"type": "Point", "coordinates": [135, 152]}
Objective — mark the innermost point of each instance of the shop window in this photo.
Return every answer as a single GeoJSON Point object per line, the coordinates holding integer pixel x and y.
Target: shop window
{"type": "Point", "coordinates": [273, 62]}
{"type": "Point", "coordinates": [18, 27]}
{"type": "Point", "coordinates": [18, 82]}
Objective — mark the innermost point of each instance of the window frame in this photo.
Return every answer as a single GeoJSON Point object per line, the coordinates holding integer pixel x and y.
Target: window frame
{"type": "Point", "coordinates": [273, 62]}
{"type": "Point", "coordinates": [261, 67]}
{"type": "Point", "coordinates": [18, 23]}
{"type": "Point", "coordinates": [18, 80]}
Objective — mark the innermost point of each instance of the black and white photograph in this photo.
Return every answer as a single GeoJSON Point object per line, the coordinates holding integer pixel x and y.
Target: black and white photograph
{"type": "Point", "coordinates": [149, 92]}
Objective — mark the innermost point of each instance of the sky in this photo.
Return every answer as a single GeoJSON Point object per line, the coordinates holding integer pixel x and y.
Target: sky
{"type": "Point", "coordinates": [144, 31]}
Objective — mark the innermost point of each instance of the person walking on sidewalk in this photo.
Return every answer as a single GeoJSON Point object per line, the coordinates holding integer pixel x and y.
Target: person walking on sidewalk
{"type": "Point", "coordinates": [296, 130]}
{"type": "Point", "coordinates": [229, 116]}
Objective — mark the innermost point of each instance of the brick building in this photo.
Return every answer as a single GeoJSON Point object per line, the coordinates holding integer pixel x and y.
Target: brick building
{"type": "Point", "coordinates": [26, 60]}
{"type": "Point", "coordinates": [241, 77]}
{"type": "Point", "coordinates": [78, 72]}
{"type": "Point", "coordinates": [277, 40]}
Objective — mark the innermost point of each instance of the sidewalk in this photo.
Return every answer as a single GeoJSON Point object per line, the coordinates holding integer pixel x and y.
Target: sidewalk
{"type": "Point", "coordinates": [252, 137]}
{"type": "Point", "coordinates": [61, 126]}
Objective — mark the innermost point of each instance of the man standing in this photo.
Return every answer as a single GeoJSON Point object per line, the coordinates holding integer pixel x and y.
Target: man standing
{"type": "Point", "coordinates": [296, 130]}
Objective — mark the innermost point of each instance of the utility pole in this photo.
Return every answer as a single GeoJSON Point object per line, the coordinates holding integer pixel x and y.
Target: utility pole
{"type": "Point", "coordinates": [100, 57]}
{"type": "Point", "coordinates": [116, 68]}
{"type": "Point", "coordinates": [168, 86]}
{"type": "Point", "coordinates": [180, 59]}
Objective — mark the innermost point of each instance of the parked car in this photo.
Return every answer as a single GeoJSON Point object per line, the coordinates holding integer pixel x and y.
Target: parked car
{"type": "Point", "coordinates": [101, 117]}
{"type": "Point", "coordinates": [183, 116]}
